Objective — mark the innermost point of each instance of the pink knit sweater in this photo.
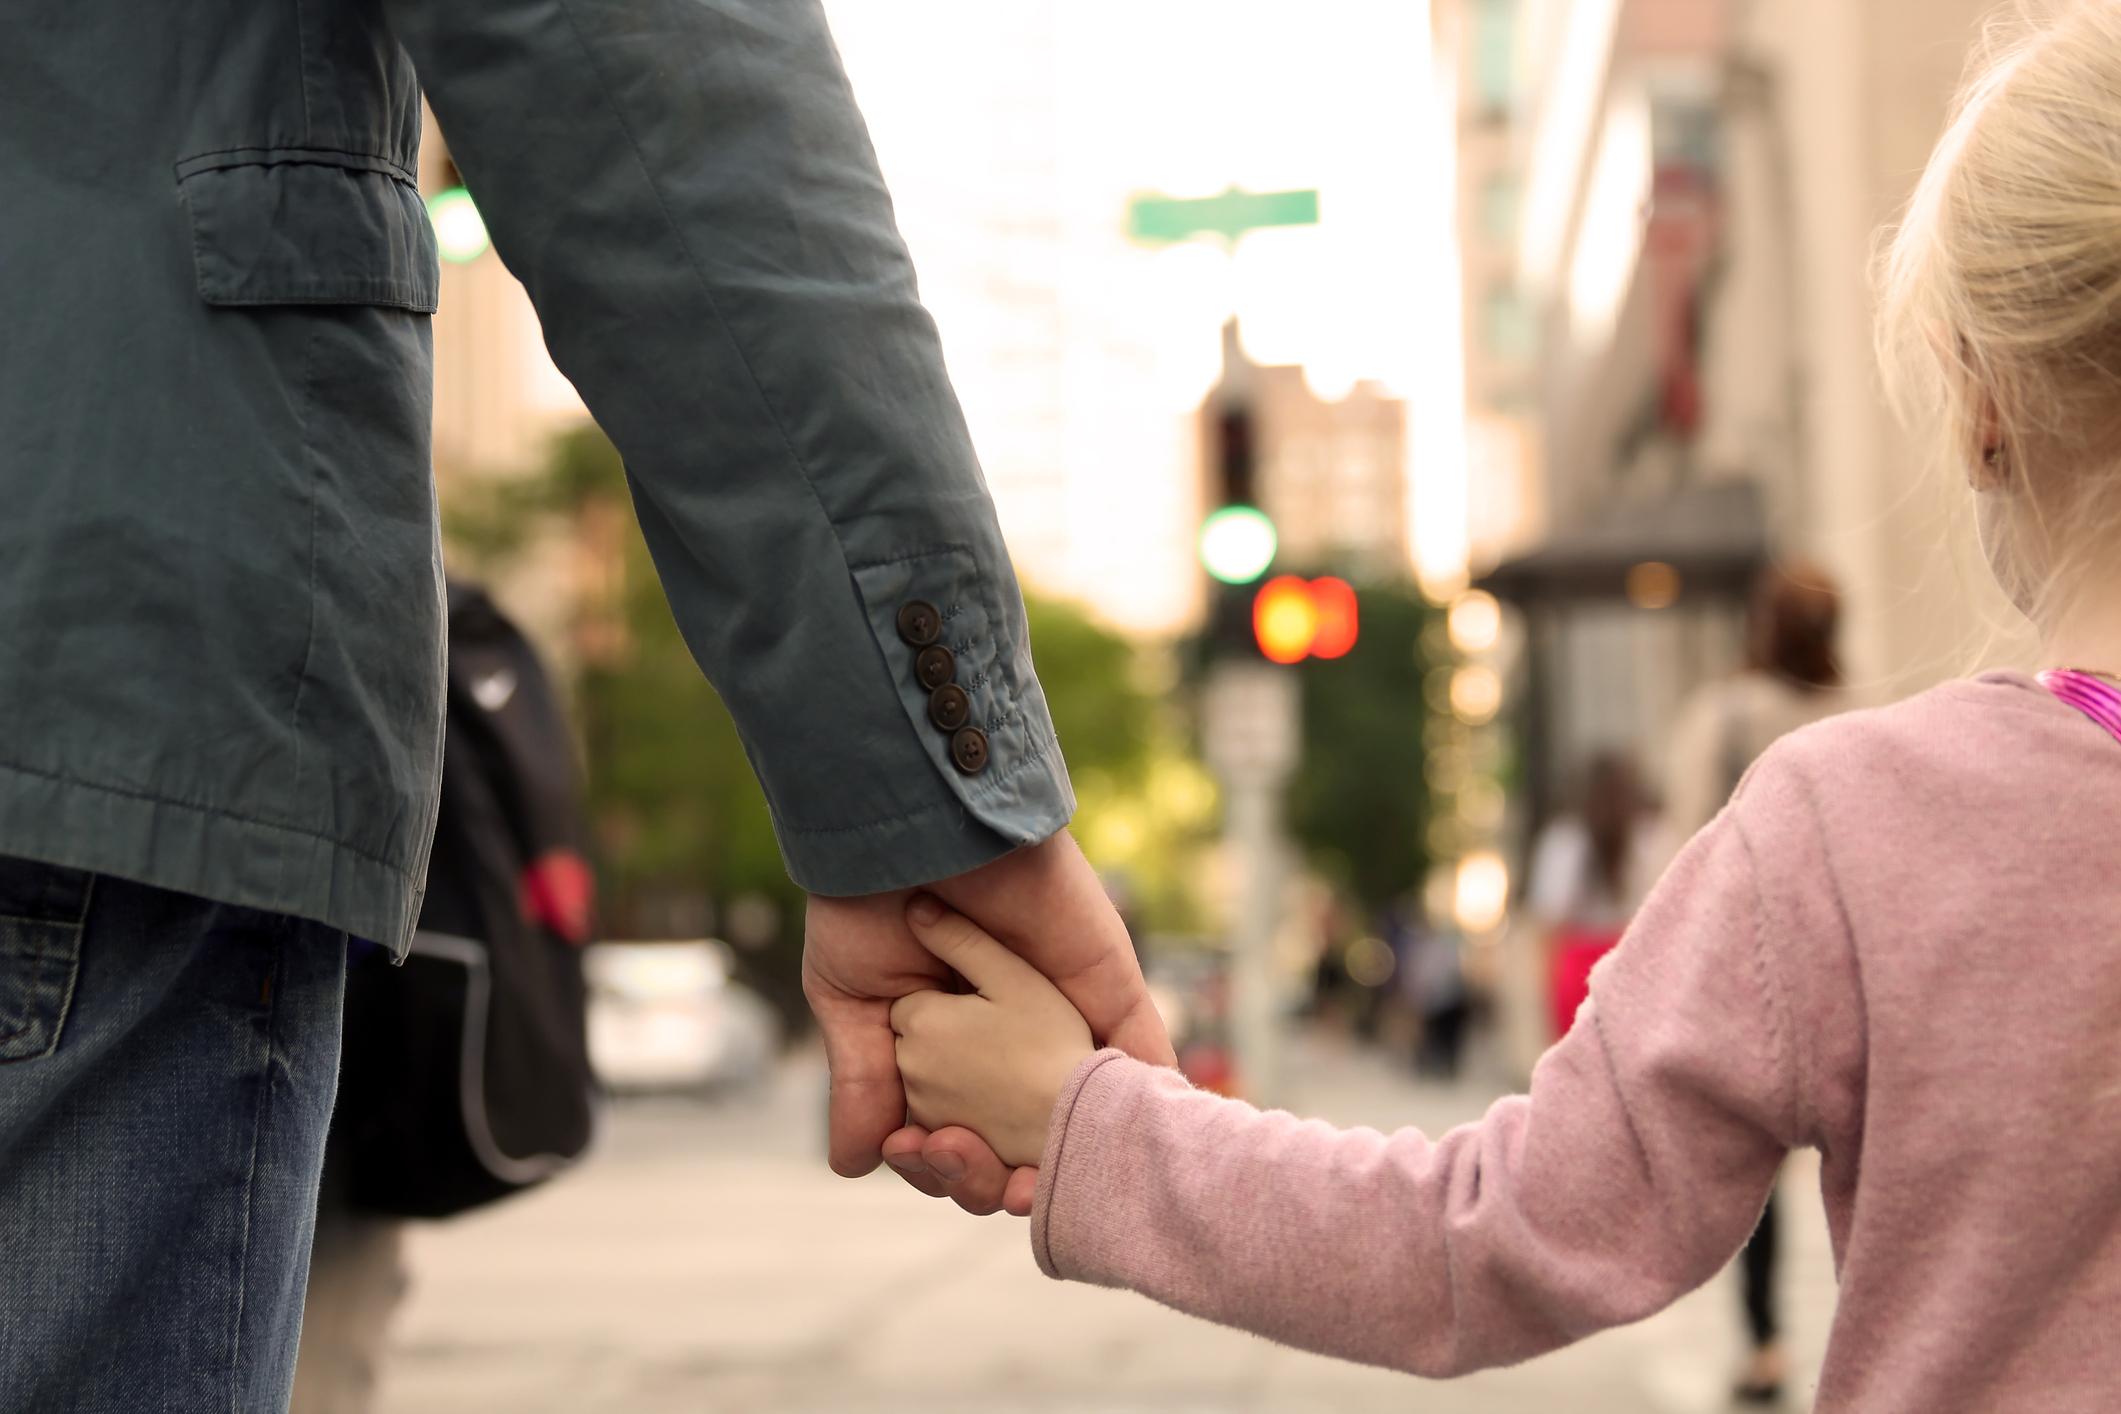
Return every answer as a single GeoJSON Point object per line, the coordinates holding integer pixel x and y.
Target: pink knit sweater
{"type": "Point", "coordinates": [1900, 945]}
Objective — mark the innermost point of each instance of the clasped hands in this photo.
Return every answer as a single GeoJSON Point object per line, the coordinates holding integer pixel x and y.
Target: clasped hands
{"type": "Point", "coordinates": [1054, 975]}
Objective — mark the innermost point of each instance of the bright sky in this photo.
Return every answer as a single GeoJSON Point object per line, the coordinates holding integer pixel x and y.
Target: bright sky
{"type": "Point", "coordinates": [1012, 135]}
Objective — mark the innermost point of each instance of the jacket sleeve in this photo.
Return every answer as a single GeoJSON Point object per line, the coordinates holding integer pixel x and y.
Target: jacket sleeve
{"type": "Point", "coordinates": [688, 193]}
{"type": "Point", "coordinates": [1630, 1174]}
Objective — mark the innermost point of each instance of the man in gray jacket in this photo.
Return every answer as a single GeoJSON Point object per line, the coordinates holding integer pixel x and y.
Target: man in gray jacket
{"type": "Point", "coordinates": [221, 610]}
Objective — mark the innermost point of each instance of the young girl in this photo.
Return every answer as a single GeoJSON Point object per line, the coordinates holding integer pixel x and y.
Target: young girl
{"type": "Point", "coordinates": [1900, 945]}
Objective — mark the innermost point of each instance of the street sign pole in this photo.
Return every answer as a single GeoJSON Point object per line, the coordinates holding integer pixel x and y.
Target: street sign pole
{"type": "Point", "coordinates": [1250, 713]}
{"type": "Point", "coordinates": [1251, 735]}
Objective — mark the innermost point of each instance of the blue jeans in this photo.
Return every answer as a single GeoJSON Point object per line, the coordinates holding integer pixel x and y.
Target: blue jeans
{"type": "Point", "coordinates": [167, 1067]}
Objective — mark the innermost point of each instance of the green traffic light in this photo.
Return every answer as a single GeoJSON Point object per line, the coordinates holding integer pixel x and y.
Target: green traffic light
{"type": "Point", "coordinates": [460, 232]}
{"type": "Point", "coordinates": [1237, 543]}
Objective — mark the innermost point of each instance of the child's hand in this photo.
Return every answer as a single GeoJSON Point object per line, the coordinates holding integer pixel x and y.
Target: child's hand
{"type": "Point", "coordinates": [993, 1060]}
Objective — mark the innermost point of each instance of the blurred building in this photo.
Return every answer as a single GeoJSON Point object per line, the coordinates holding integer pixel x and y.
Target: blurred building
{"type": "Point", "coordinates": [1668, 211]}
{"type": "Point", "coordinates": [1331, 473]}
{"type": "Point", "coordinates": [1506, 509]}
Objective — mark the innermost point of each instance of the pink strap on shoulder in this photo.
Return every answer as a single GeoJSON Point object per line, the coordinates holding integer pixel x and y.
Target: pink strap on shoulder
{"type": "Point", "coordinates": [2096, 698]}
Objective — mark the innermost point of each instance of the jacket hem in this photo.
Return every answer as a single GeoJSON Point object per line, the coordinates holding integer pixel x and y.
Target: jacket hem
{"type": "Point", "coordinates": [195, 850]}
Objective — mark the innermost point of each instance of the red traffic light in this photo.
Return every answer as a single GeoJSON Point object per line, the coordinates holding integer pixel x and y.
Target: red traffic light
{"type": "Point", "coordinates": [1293, 620]}
{"type": "Point", "coordinates": [1335, 601]}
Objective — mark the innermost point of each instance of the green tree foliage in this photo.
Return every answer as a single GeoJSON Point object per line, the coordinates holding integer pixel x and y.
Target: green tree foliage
{"type": "Point", "coordinates": [1145, 805]}
{"type": "Point", "coordinates": [676, 803]}
{"type": "Point", "coordinates": [1103, 720]}
{"type": "Point", "coordinates": [1359, 802]}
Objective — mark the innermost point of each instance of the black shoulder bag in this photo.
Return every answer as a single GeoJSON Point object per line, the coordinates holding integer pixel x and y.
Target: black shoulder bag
{"type": "Point", "coordinates": [465, 1071]}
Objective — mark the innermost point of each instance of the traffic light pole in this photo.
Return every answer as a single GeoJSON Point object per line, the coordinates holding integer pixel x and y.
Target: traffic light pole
{"type": "Point", "coordinates": [1252, 736]}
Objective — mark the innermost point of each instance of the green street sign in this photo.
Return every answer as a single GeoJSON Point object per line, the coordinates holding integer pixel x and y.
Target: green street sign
{"type": "Point", "coordinates": [1156, 219]}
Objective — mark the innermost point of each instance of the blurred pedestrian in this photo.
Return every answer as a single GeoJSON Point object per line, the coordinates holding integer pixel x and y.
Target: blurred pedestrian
{"type": "Point", "coordinates": [1896, 944]}
{"type": "Point", "coordinates": [221, 613]}
{"type": "Point", "coordinates": [1431, 981]}
{"type": "Point", "coordinates": [1792, 678]}
{"type": "Point", "coordinates": [465, 1070]}
{"type": "Point", "coordinates": [1591, 868]}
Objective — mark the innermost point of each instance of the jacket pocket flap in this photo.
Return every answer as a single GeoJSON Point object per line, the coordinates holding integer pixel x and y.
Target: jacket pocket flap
{"type": "Point", "coordinates": [296, 226]}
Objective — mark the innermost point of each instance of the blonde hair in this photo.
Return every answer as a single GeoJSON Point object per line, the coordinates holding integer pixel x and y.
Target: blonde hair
{"type": "Point", "coordinates": [2004, 279]}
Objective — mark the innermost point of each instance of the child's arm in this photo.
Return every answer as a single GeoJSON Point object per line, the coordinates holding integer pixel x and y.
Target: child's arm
{"type": "Point", "coordinates": [1630, 1174]}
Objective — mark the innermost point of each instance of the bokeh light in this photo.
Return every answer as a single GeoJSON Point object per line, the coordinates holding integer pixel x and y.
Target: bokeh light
{"type": "Point", "coordinates": [1653, 584]}
{"type": "Point", "coordinates": [1237, 543]}
{"type": "Point", "coordinates": [1285, 619]}
{"type": "Point", "coordinates": [1333, 601]}
{"type": "Point", "coordinates": [1475, 622]}
{"type": "Point", "coordinates": [460, 232]}
{"type": "Point", "coordinates": [1476, 695]}
{"type": "Point", "coordinates": [1369, 962]}
{"type": "Point", "coordinates": [1483, 893]}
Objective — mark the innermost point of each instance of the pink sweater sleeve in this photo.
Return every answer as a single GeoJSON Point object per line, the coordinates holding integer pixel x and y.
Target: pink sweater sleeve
{"type": "Point", "coordinates": [1630, 1174]}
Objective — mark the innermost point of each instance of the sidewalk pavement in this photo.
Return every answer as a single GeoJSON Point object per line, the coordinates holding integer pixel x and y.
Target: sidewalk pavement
{"type": "Point", "coordinates": [707, 1260]}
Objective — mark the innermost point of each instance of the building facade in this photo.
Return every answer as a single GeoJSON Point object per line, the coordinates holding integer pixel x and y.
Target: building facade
{"type": "Point", "coordinates": [1693, 190]}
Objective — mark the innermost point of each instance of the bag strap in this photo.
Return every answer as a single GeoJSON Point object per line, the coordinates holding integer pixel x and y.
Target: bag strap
{"type": "Point", "coordinates": [2095, 697]}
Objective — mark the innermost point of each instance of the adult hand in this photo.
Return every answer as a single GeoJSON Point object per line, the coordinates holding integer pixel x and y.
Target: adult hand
{"type": "Point", "coordinates": [858, 957]}
{"type": "Point", "coordinates": [1044, 903]}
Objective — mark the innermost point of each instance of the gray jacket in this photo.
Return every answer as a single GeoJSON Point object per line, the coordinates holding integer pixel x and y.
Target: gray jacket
{"type": "Point", "coordinates": [220, 590]}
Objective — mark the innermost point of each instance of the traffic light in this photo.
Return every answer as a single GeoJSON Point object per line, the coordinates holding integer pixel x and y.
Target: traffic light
{"type": "Point", "coordinates": [1284, 620]}
{"type": "Point", "coordinates": [1287, 619]}
{"type": "Point", "coordinates": [1293, 619]}
{"type": "Point", "coordinates": [1335, 601]}
{"type": "Point", "coordinates": [1237, 540]}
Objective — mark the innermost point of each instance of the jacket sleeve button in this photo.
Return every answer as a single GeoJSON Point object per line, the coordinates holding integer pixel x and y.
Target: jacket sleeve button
{"type": "Point", "coordinates": [935, 666]}
{"type": "Point", "coordinates": [949, 707]}
{"type": "Point", "coordinates": [968, 749]}
{"type": "Point", "coordinates": [919, 624]}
